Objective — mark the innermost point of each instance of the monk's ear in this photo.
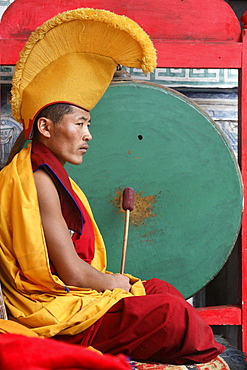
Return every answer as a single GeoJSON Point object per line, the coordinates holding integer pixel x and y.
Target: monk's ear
{"type": "Point", "coordinates": [44, 126]}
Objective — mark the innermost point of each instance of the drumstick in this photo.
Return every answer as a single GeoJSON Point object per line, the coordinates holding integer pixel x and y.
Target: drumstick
{"type": "Point", "coordinates": [128, 206]}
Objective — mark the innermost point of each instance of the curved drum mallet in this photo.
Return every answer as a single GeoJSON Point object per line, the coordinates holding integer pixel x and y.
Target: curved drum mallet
{"type": "Point", "coordinates": [128, 206]}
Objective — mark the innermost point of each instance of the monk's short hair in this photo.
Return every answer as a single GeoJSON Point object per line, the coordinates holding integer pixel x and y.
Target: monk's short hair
{"type": "Point", "coordinates": [54, 112]}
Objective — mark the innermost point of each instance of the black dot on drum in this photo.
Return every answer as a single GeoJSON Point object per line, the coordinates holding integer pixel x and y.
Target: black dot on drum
{"type": "Point", "coordinates": [140, 137]}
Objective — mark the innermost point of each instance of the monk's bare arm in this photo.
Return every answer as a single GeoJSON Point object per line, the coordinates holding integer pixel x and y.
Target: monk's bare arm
{"type": "Point", "coordinates": [70, 268]}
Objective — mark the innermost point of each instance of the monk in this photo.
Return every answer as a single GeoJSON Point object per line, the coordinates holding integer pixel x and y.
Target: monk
{"type": "Point", "coordinates": [52, 254]}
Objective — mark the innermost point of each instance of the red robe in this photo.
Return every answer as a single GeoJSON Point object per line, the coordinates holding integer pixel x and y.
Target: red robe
{"type": "Point", "coordinates": [160, 326]}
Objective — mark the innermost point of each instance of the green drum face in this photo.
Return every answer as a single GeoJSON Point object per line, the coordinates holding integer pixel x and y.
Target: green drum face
{"type": "Point", "coordinates": [188, 190]}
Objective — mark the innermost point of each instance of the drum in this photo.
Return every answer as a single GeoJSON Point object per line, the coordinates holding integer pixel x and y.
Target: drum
{"type": "Point", "coordinates": [188, 190]}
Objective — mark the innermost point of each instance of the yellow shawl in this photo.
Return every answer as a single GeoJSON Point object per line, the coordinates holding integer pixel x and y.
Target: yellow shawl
{"type": "Point", "coordinates": [34, 297]}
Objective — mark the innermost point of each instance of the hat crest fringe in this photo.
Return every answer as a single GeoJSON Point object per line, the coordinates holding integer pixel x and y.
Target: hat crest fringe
{"type": "Point", "coordinates": [123, 23]}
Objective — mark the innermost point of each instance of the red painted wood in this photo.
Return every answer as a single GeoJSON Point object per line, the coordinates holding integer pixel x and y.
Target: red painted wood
{"type": "Point", "coordinates": [221, 315]}
{"type": "Point", "coordinates": [11, 50]}
{"type": "Point", "coordinates": [167, 20]}
{"type": "Point", "coordinates": [205, 55]}
{"type": "Point", "coordinates": [199, 54]}
{"type": "Point", "coordinates": [244, 19]}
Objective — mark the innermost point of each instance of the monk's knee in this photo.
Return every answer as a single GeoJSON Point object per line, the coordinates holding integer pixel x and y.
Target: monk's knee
{"type": "Point", "coordinates": [157, 286]}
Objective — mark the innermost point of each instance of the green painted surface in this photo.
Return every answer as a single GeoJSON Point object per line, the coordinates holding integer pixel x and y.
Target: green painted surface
{"type": "Point", "coordinates": [188, 193]}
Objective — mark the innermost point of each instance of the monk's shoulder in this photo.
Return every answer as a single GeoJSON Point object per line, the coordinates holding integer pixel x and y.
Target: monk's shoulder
{"type": "Point", "coordinates": [46, 189]}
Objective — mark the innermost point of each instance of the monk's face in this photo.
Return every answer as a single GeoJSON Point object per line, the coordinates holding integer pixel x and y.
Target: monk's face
{"type": "Point", "coordinates": [69, 138]}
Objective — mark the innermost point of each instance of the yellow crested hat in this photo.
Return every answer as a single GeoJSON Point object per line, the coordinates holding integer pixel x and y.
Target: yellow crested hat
{"type": "Point", "coordinates": [72, 58]}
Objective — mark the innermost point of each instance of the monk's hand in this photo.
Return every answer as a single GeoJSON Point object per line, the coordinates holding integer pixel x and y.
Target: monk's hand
{"type": "Point", "coordinates": [122, 282]}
